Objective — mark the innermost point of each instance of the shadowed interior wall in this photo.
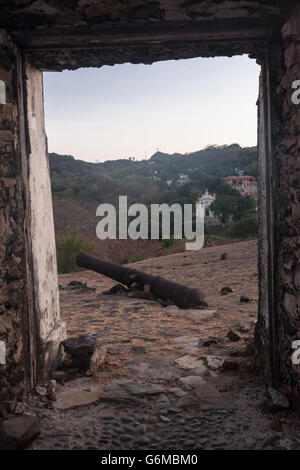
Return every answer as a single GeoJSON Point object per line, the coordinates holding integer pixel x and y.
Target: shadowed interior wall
{"type": "Point", "coordinates": [30, 324]}
{"type": "Point", "coordinates": [15, 375]}
{"type": "Point", "coordinates": [279, 181]}
{"type": "Point", "coordinates": [286, 145]}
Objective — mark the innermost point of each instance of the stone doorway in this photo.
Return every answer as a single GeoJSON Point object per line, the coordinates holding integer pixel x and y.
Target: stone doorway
{"type": "Point", "coordinates": [265, 245]}
{"type": "Point", "coordinates": [32, 330]}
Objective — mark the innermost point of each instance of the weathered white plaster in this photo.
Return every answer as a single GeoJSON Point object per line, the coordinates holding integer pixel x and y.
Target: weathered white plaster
{"type": "Point", "coordinates": [2, 353]}
{"type": "Point", "coordinates": [51, 329]}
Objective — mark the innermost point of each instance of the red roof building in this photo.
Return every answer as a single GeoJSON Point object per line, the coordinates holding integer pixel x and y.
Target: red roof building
{"type": "Point", "coordinates": [246, 185]}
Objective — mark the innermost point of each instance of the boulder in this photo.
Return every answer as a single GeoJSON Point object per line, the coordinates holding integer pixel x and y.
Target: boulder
{"type": "Point", "coordinates": [18, 432]}
{"type": "Point", "coordinates": [81, 349]}
{"type": "Point", "coordinates": [233, 336]}
{"type": "Point", "coordinates": [279, 401]}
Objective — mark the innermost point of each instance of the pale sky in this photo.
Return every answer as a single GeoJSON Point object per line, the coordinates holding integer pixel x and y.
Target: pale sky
{"type": "Point", "coordinates": [133, 110]}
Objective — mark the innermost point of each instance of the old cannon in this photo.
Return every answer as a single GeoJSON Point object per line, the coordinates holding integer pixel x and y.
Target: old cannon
{"type": "Point", "coordinates": [180, 295]}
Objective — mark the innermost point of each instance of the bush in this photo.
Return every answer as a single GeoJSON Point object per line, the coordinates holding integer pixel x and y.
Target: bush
{"type": "Point", "coordinates": [167, 242]}
{"type": "Point", "coordinates": [245, 228]}
{"type": "Point", "coordinates": [139, 257]}
{"type": "Point", "coordinates": [67, 247]}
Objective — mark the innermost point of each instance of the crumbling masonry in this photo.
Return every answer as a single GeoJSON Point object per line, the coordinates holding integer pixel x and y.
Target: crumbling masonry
{"type": "Point", "coordinates": [56, 35]}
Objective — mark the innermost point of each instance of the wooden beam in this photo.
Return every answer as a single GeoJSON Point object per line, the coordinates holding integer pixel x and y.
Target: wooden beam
{"type": "Point", "coordinates": [219, 30]}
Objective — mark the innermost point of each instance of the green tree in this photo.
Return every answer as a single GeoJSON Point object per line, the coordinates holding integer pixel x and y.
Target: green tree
{"type": "Point", "coordinates": [68, 246]}
{"type": "Point", "coordinates": [243, 207]}
{"type": "Point", "coordinates": [223, 207]}
{"type": "Point", "coordinates": [245, 228]}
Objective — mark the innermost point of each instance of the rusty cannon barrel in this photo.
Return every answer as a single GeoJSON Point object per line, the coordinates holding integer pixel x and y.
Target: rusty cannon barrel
{"type": "Point", "coordinates": [164, 289]}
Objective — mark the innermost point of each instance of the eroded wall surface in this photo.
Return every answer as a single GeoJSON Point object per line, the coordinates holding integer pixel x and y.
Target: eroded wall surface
{"type": "Point", "coordinates": [287, 145]}
{"type": "Point", "coordinates": [30, 326]}
{"type": "Point", "coordinates": [13, 300]}
{"type": "Point", "coordinates": [279, 190]}
{"type": "Point", "coordinates": [72, 14]}
{"type": "Point", "coordinates": [51, 331]}
{"type": "Point", "coordinates": [86, 33]}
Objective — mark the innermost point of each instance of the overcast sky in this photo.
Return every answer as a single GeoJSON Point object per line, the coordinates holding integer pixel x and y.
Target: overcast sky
{"type": "Point", "coordinates": [133, 110]}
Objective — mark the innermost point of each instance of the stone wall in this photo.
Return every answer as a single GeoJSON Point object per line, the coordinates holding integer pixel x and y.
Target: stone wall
{"type": "Point", "coordinates": [287, 144]}
{"type": "Point", "coordinates": [74, 14]}
{"type": "Point", "coordinates": [13, 301]}
{"type": "Point", "coordinates": [91, 33]}
{"type": "Point", "coordinates": [30, 326]}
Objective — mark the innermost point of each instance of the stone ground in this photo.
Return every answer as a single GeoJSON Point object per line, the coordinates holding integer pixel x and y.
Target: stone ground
{"type": "Point", "coordinates": [165, 387]}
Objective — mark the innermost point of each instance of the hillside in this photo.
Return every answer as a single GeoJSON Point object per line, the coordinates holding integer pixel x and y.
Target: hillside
{"type": "Point", "coordinates": [79, 187]}
{"type": "Point", "coordinates": [214, 160]}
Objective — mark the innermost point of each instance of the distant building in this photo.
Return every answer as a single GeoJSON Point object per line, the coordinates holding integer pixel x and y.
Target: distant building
{"type": "Point", "coordinates": [246, 185]}
{"type": "Point", "coordinates": [183, 179]}
{"type": "Point", "coordinates": [206, 200]}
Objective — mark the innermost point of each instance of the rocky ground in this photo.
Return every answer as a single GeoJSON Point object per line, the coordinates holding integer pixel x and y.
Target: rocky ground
{"type": "Point", "coordinates": [173, 379]}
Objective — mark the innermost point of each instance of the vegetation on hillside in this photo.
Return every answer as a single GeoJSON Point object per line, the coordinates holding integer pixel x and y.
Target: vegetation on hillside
{"type": "Point", "coordinates": [78, 187]}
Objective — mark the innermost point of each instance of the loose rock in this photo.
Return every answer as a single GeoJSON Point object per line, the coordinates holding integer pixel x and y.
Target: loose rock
{"type": "Point", "coordinates": [233, 336]}
{"type": "Point", "coordinates": [81, 349]}
{"type": "Point", "coordinates": [226, 290]}
{"type": "Point", "coordinates": [139, 350]}
{"type": "Point", "coordinates": [42, 391]}
{"type": "Point", "coordinates": [215, 362]}
{"type": "Point", "coordinates": [17, 433]}
{"type": "Point", "coordinates": [279, 401]}
{"type": "Point", "coordinates": [209, 342]}
{"type": "Point", "coordinates": [190, 362]}
{"type": "Point", "coordinates": [192, 381]}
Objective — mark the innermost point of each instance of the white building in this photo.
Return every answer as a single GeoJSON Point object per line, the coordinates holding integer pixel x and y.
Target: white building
{"type": "Point", "coordinates": [206, 200]}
